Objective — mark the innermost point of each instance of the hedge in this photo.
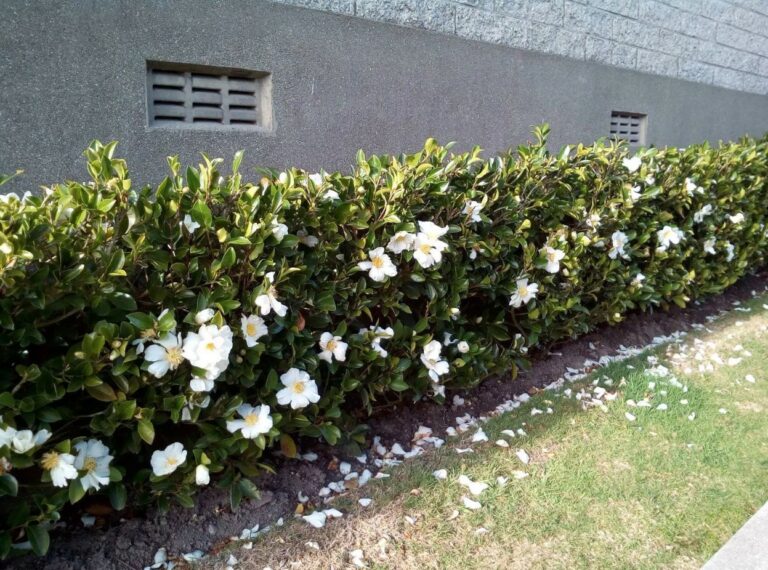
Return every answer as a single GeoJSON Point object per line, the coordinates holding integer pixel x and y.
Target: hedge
{"type": "Point", "coordinates": [155, 340]}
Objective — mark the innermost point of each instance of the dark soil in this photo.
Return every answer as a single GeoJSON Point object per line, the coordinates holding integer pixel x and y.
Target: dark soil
{"type": "Point", "coordinates": [132, 543]}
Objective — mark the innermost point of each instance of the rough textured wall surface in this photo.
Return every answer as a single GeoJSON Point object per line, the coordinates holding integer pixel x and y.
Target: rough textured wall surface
{"type": "Point", "coordinates": [76, 70]}
{"type": "Point", "coordinates": [717, 42]}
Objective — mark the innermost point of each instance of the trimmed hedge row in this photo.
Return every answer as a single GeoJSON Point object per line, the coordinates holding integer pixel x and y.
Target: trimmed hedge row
{"type": "Point", "coordinates": [156, 340]}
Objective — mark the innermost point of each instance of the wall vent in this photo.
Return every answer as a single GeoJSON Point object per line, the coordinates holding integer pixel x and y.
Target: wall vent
{"type": "Point", "coordinates": [629, 127]}
{"type": "Point", "coordinates": [181, 96]}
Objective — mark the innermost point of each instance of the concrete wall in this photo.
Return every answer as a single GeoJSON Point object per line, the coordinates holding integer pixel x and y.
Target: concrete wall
{"type": "Point", "coordinates": [716, 42]}
{"type": "Point", "coordinates": [73, 71]}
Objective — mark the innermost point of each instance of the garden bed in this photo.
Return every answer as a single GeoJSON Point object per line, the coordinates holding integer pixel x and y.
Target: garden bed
{"type": "Point", "coordinates": [210, 524]}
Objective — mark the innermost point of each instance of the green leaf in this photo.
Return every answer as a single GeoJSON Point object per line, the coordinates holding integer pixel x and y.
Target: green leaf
{"type": "Point", "coordinates": [102, 392]}
{"type": "Point", "coordinates": [117, 496]}
{"type": "Point", "coordinates": [8, 485]}
{"type": "Point", "coordinates": [76, 491]}
{"type": "Point", "coordinates": [39, 539]}
{"type": "Point", "coordinates": [146, 430]}
{"type": "Point", "coordinates": [201, 213]}
{"type": "Point", "coordinates": [235, 496]}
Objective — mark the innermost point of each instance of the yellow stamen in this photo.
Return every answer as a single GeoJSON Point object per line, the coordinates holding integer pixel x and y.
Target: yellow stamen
{"type": "Point", "coordinates": [298, 388]}
{"type": "Point", "coordinates": [250, 329]}
{"type": "Point", "coordinates": [175, 356]}
{"type": "Point", "coordinates": [90, 464]}
{"type": "Point", "coordinates": [377, 262]}
{"type": "Point", "coordinates": [50, 460]}
{"type": "Point", "coordinates": [251, 420]}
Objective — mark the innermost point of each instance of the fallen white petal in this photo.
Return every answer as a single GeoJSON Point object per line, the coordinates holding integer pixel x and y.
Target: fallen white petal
{"type": "Point", "coordinates": [479, 436]}
{"type": "Point", "coordinates": [470, 504]}
{"type": "Point", "coordinates": [440, 474]}
{"type": "Point", "coordinates": [316, 519]}
{"type": "Point", "coordinates": [523, 456]}
{"type": "Point", "coordinates": [475, 487]}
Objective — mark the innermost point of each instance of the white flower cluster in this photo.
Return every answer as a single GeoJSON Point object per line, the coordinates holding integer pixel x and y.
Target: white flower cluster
{"type": "Point", "coordinates": [90, 465]}
{"type": "Point", "coordinates": [426, 245]}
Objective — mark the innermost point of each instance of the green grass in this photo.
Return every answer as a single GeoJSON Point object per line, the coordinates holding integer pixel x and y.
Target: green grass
{"type": "Point", "coordinates": [602, 492]}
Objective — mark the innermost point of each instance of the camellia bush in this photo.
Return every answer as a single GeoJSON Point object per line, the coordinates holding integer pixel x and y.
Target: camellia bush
{"type": "Point", "coordinates": [157, 340]}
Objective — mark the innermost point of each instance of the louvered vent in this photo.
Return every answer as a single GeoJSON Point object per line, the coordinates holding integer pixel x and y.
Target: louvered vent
{"type": "Point", "coordinates": [629, 127]}
{"type": "Point", "coordinates": [198, 97]}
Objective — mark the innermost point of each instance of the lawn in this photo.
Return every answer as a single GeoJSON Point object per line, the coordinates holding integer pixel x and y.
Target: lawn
{"type": "Point", "coordinates": [613, 480]}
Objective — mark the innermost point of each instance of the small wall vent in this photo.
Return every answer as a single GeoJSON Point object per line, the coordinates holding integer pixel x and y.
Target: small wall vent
{"type": "Point", "coordinates": [629, 127]}
{"type": "Point", "coordinates": [181, 96]}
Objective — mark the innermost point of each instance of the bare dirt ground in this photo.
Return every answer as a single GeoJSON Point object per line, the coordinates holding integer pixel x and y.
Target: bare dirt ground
{"type": "Point", "coordinates": [132, 541]}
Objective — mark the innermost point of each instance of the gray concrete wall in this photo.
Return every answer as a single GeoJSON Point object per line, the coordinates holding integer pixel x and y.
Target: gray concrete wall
{"type": "Point", "coordinates": [73, 71]}
{"type": "Point", "coordinates": [717, 42]}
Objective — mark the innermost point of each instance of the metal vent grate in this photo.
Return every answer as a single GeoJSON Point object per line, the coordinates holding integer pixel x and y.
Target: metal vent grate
{"type": "Point", "coordinates": [629, 127]}
{"type": "Point", "coordinates": [198, 97]}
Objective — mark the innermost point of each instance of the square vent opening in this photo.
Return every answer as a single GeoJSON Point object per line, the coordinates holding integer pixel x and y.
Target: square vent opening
{"type": "Point", "coordinates": [629, 127]}
{"type": "Point", "coordinates": [185, 96]}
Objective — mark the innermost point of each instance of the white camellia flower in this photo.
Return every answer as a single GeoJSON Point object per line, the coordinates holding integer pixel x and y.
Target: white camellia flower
{"type": "Point", "coordinates": [279, 230]}
{"type": "Point", "coordinates": [256, 421]}
{"type": "Point", "coordinates": [618, 241]}
{"type": "Point", "coordinates": [330, 196]}
{"type": "Point", "coordinates": [593, 221]}
{"type": "Point", "coordinates": [209, 349]}
{"type": "Point", "coordinates": [380, 266]}
{"type": "Point", "coordinates": [317, 179]}
{"type": "Point", "coordinates": [638, 280]}
{"type": "Point", "coordinates": [463, 347]}
{"type": "Point", "coordinates": [165, 354]}
{"type": "Point", "coordinates": [306, 239]}
{"type": "Point", "coordinates": [427, 247]}
{"type": "Point", "coordinates": [253, 328]}
{"type": "Point", "coordinates": [709, 246]}
{"type": "Point", "coordinates": [400, 242]}
{"type": "Point", "coordinates": [634, 194]}
{"type": "Point", "coordinates": [300, 390]}
{"type": "Point", "coordinates": [632, 164]}
{"type": "Point", "coordinates": [6, 436]}
{"type": "Point", "coordinates": [650, 180]}
{"type": "Point", "coordinates": [691, 187]}
{"type": "Point", "coordinates": [730, 251]}
{"type": "Point", "coordinates": [59, 465]}
{"type": "Point", "coordinates": [524, 293]}
{"type": "Point", "coordinates": [702, 213]}
{"type": "Point", "coordinates": [202, 475]}
{"type": "Point", "coordinates": [553, 259]}
{"type": "Point", "coordinates": [425, 251]}
{"type": "Point", "coordinates": [25, 440]}
{"type": "Point", "coordinates": [204, 316]}
{"type": "Point", "coordinates": [669, 235]}
{"type": "Point", "coordinates": [268, 301]}
{"type": "Point", "coordinates": [332, 347]}
{"type": "Point", "coordinates": [190, 224]}
{"type": "Point", "coordinates": [168, 460]}
{"type": "Point", "coordinates": [472, 209]}
{"type": "Point", "coordinates": [737, 219]}
{"type": "Point", "coordinates": [198, 384]}
{"type": "Point", "coordinates": [432, 231]}
{"type": "Point", "coordinates": [379, 334]}
{"type": "Point", "coordinates": [430, 357]}
{"type": "Point", "coordinates": [93, 457]}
